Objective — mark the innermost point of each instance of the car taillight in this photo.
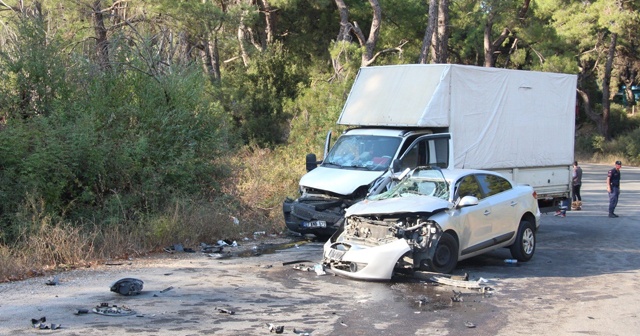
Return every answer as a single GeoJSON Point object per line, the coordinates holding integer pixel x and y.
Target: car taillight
{"type": "Point", "coordinates": [534, 194]}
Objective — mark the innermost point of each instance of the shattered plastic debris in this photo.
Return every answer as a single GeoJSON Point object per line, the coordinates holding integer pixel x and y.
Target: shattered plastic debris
{"type": "Point", "coordinates": [114, 310]}
{"type": "Point", "coordinates": [457, 283]}
{"type": "Point", "coordinates": [469, 324]}
{"type": "Point", "coordinates": [274, 328]}
{"type": "Point", "coordinates": [127, 286]}
{"type": "Point", "coordinates": [225, 311]}
{"type": "Point", "coordinates": [53, 281]}
{"type": "Point", "coordinates": [210, 248]}
{"type": "Point", "coordinates": [166, 289]}
{"type": "Point", "coordinates": [219, 255]}
{"type": "Point", "coordinates": [303, 267]}
{"type": "Point", "coordinates": [227, 243]}
{"type": "Point", "coordinates": [301, 332]}
{"type": "Point", "coordinates": [319, 269]}
{"type": "Point", "coordinates": [457, 296]}
{"type": "Point", "coordinates": [40, 324]}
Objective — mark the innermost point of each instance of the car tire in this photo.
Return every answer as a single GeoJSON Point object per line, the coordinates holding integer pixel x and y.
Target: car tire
{"type": "Point", "coordinates": [445, 257]}
{"type": "Point", "coordinates": [525, 244]}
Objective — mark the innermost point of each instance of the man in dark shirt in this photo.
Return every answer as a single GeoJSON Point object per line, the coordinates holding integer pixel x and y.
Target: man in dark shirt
{"type": "Point", "coordinates": [577, 183]}
{"type": "Point", "coordinates": [613, 188]}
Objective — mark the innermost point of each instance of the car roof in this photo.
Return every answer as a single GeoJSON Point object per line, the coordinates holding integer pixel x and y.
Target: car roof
{"type": "Point", "coordinates": [454, 174]}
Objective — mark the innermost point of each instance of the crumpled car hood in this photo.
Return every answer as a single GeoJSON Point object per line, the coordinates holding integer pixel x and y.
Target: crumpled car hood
{"type": "Point", "coordinates": [395, 205]}
{"type": "Point", "coordinates": [344, 183]}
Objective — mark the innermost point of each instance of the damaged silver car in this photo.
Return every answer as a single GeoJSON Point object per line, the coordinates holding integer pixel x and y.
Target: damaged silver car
{"type": "Point", "coordinates": [432, 219]}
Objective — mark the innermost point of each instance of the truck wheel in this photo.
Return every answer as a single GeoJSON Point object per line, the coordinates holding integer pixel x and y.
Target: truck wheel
{"type": "Point", "coordinates": [525, 244]}
{"type": "Point", "coordinates": [446, 256]}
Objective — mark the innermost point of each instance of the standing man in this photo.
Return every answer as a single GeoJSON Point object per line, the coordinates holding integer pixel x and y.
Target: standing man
{"type": "Point", "coordinates": [613, 187]}
{"type": "Point", "coordinates": [577, 182]}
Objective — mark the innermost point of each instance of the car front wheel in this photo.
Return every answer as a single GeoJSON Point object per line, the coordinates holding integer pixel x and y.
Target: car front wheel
{"type": "Point", "coordinates": [446, 256]}
{"type": "Point", "coordinates": [525, 244]}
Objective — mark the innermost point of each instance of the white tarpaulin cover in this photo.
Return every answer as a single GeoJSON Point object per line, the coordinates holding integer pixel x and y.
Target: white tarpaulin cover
{"type": "Point", "coordinates": [498, 118]}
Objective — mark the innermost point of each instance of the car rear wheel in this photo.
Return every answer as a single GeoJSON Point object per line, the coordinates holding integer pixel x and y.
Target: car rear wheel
{"type": "Point", "coordinates": [525, 244]}
{"type": "Point", "coordinates": [446, 256]}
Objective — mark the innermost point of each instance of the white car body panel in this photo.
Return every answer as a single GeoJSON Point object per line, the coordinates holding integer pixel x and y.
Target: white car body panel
{"type": "Point", "coordinates": [377, 259]}
{"type": "Point", "coordinates": [491, 223]}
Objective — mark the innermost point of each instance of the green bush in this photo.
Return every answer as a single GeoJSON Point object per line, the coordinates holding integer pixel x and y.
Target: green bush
{"type": "Point", "coordinates": [119, 151]}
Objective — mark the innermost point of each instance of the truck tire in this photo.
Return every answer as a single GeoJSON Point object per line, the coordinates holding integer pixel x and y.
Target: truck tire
{"type": "Point", "coordinates": [445, 257]}
{"type": "Point", "coordinates": [525, 244]}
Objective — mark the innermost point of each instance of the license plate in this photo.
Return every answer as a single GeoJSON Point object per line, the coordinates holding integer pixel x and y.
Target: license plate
{"type": "Point", "coordinates": [314, 224]}
{"type": "Point", "coordinates": [334, 254]}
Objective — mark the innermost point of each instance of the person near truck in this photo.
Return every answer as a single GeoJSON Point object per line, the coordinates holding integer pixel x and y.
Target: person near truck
{"type": "Point", "coordinates": [577, 183]}
{"type": "Point", "coordinates": [613, 188]}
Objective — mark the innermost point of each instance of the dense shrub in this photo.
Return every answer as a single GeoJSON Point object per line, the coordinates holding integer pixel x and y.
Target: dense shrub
{"type": "Point", "coordinates": [126, 147]}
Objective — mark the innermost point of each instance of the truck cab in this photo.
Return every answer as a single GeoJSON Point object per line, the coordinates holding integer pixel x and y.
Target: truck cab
{"type": "Point", "coordinates": [358, 165]}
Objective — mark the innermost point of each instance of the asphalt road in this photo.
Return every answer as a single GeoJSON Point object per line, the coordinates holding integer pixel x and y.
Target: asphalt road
{"type": "Point", "coordinates": [583, 279]}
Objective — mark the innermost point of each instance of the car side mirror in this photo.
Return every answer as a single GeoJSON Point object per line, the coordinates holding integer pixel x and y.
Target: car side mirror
{"type": "Point", "coordinates": [395, 166]}
{"type": "Point", "coordinates": [311, 162]}
{"type": "Point", "coordinates": [467, 201]}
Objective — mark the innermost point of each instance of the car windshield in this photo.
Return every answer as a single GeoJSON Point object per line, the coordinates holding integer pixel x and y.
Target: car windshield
{"type": "Point", "coordinates": [365, 152]}
{"type": "Point", "coordinates": [423, 181]}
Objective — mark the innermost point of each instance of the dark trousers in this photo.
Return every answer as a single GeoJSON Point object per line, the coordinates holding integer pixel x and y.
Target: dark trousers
{"type": "Point", "coordinates": [576, 193]}
{"type": "Point", "coordinates": [613, 198]}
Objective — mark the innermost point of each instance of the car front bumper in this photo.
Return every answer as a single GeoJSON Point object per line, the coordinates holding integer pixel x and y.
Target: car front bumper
{"type": "Point", "coordinates": [364, 263]}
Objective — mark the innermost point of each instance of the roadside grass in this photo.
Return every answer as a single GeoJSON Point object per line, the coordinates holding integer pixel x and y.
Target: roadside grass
{"type": "Point", "coordinates": [249, 200]}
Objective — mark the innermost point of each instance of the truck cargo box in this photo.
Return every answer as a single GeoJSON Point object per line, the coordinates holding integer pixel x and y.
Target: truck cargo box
{"type": "Point", "coordinates": [499, 118]}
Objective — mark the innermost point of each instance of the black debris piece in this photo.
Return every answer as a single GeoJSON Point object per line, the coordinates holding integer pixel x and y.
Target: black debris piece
{"type": "Point", "coordinates": [276, 329]}
{"type": "Point", "coordinates": [127, 286]}
{"type": "Point", "coordinates": [52, 281]}
{"type": "Point", "coordinates": [225, 311]}
{"type": "Point", "coordinates": [166, 289]}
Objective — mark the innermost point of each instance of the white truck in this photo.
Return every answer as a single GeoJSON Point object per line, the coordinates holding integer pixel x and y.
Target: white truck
{"type": "Point", "coordinates": [518, 123]}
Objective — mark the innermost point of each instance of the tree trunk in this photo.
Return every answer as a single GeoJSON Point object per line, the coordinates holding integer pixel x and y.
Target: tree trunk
{"type": "Point", "coordinates": [102, 43]}
{"type": "Point", "coordinates": [606, 81]}
{"type": "Point", "coordinates": [443, 32]}
{"type": "Point", "coordinates": [428, 34]}
{"type": "Point", "coordinates": [268, 20]}
{"type": "Point", "coordinates": [588, 109]}
{"type": "Point", "coordinates": [370, 44]}
{"type": "Point", "coordinates": [489, 60]}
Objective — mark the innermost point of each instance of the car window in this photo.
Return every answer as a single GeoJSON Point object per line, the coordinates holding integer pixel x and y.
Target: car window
{"type": "Point", "coordinates": [468, 186]}
{"type": "Point", "coordinates": [493, 184]}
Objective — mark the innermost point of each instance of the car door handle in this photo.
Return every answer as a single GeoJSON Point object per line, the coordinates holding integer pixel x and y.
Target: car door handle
{"type": "Point", "coordinates": [487, 212]}
{"type": "Point", "coordinates": [514, 203]}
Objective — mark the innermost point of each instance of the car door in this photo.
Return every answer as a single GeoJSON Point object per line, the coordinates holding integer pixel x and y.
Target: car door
{"type": "Point", "coordinates": [503, 199]}
{"type": "Point", "coordinates": [427, 150]}
{"type": "Point", "coordinates": [476, 222]}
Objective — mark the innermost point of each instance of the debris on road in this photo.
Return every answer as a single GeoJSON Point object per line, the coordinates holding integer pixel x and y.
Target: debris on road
{"type": "Point", "coordinates": [303, 267]}
{"type": "Point", "coordinates": [166, 289]}
{"type": "Point", "coordinates": [127, 286]}
{"type": "Point", "coordinates": [112, 310]}
{"type": "Point", "coordinates": [457, 297]}
{"type": "Point", "coordinates": [52, 281]}
{"type": "Point", "coordinates": [301, 332]}
{"type": "Point", "coordinates": [458, 283]}
{"type": "Point", "coordinates": [274, 328]}
{"type": "Point", "coordinates": [469, 324]}
{"type": "Point", "coordinates": [295, 262]}
{"type": "Point", "coordinates": [225, 311]}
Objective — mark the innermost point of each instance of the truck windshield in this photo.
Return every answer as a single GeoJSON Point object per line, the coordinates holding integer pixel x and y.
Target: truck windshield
{"type": "Point", "coordinates": [363, 152]}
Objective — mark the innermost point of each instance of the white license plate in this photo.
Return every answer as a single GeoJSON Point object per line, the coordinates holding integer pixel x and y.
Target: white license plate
{"type": "Point", "coordinates": [334, 254]}
{"type": "Point", "coordinates": [315, 224]}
